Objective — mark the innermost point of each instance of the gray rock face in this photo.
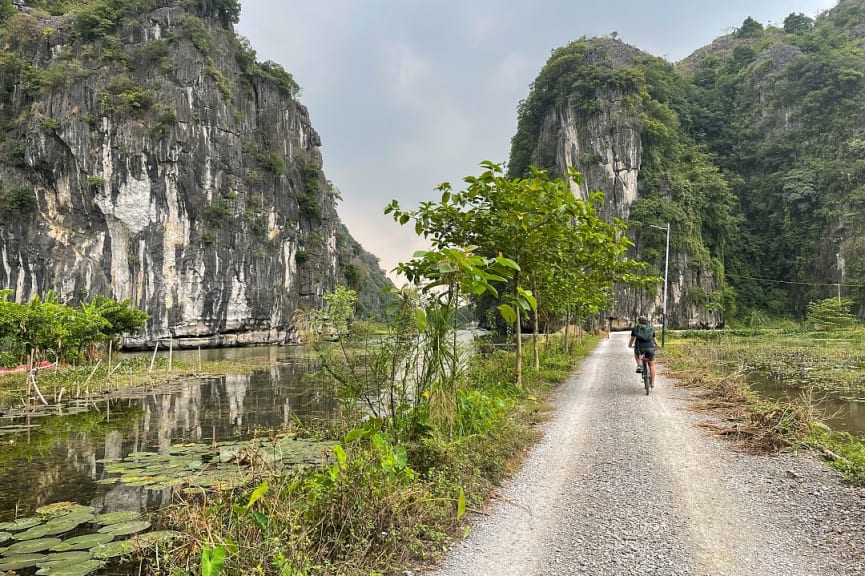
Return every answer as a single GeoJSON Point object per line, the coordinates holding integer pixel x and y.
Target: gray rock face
{"type": "Point", "coordinates": [169, 171]}
{"type": "Point", "coordinates": [606, 146]}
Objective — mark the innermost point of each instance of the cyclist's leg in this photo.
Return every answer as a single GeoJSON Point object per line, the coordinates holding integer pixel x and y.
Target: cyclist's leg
{"type": "Point", "coordinates": [650, 354]}
{"type": "Point", "coordinates": [637, 359]}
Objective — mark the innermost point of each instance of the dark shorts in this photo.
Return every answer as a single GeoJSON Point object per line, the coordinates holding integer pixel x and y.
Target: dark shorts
{"type": "Point", "coordinates": [649, 352]}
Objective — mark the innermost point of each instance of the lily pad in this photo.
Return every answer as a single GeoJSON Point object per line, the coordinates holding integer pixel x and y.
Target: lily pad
{"type": "Point", "coordinates": [113, 549]}
{"type": "Point", "coordinates": [116, 517]}
{"type": "Point", "coordinates": [85, 542]}
{"type": "Point", "coordinates": [125, 528]}
{"type": "Point", "coordinates": [59, 509]}
{"type": "Point", "coordinates": [65, 558]}
{"type": "Point", "coordinates": [82, 569]}
{"type": "Point", "coordinates": [52, 528]}
{"type": "Point", "coordinates": [20, 561]}
{"type": "Point", "coordinates": [20, 524]}
{"type": "Point", "coordinates": [150, 539]}
{"type": "Point", "coordinates": [32, 546]}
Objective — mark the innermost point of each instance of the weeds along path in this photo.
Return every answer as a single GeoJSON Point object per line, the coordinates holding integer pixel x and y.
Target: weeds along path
{"type": "Point", "coordinates": [623, 483]}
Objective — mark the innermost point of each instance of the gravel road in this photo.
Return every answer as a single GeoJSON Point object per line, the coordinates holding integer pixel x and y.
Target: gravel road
{"type": "Point", "coordinates": [624, 484]}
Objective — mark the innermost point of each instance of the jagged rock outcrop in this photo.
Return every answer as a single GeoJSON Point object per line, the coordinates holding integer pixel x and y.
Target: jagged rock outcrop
{"type": "Point", "coordinates": [588, 111]}
{"type": "Point", "coordinates": [147, 155]}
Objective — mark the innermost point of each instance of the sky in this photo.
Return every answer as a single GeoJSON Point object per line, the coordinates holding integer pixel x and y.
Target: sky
{"type": "Point", "coordinates": [407, 94]}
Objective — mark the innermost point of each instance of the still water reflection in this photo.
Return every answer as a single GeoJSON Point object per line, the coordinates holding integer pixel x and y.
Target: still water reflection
{"type": "Point", "coordinates": [56, 458]}
{"type": "Point", "coordinates": [840, 413]}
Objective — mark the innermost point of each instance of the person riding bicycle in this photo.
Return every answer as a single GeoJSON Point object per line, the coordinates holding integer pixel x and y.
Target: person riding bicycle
{"type": "Point", "coordinates": [643, 342]}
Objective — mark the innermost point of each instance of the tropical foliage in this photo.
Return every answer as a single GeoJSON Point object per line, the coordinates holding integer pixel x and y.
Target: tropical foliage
{"type": "Point", "coordinates": [50, 330]}
{"type": "Point", "coordinates": [751, 148]}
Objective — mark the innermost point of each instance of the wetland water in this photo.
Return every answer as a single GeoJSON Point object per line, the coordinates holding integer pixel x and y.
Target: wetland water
{"type": "Point", "coordinates": [57, 458]}
{"type": "Point", "coordinates": [840, 411]}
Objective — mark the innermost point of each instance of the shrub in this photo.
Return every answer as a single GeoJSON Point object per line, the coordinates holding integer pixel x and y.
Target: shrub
{"type": "Point", "coordinates": [97, 20]}
{"type": "Point", "coordinates": [96, 181]}
{"type": "Point", "coordinates": [218, 212]}
{"type": "Point", "coordinates": [19, 200]}
{"type": "Point", "coordinates": [125, 97]}
{"type": "Point", "coordinates": [309, 207]}
{"type": "Point", "coordinates": [301, 256]}
{"type": "Point", "coordinates": [272, 162]}
{"type": "Point", "coordinates": [194, 29]}
{"type": "Point", "coordinates": [217, 76]}
{"type": "Point", "coordinates": [284, 81]}
{"type": "Point", "coordinates": [830, 314]}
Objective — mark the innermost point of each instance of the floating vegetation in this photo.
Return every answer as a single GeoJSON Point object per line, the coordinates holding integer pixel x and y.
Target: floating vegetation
{"type": "Point", "coordinates": [113, 549]}
{"type": "Point", "coordinates": [116, 517]}
{"type": "Point", "coordinates": [59, 569]}
{"type": "Point", "coordinates": [31, 546]}
{"type": "Point", "coordinates": [20, 524]}
{"type": "Point", "coordinates": [220, 467]}
{"type": "Point", "coordinates": [125, 528]}
{"type": "Point", "coordinates": [85, 542]}
{"type": "Point", "coordinates": [20, 561]}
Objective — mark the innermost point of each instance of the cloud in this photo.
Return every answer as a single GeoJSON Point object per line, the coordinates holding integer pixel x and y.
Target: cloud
{"type": "Point", "coordinates": [407, 74]}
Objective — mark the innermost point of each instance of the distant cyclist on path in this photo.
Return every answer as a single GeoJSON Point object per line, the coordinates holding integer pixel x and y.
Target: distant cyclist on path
{"type": "Point", "coordinates": [643, 341]}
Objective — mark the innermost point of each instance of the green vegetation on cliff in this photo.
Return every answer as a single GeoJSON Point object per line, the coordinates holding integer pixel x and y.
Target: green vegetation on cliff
{"type": "Point", "coordinates": [752, 148]}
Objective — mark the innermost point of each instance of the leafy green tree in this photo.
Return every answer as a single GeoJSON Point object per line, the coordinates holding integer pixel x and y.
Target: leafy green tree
{"type": "Point", "coordinates": [529, 221]}
{"type": "Point", "coordinates": [797, 23]}
{"type": "Point", "coordinates": [750, 28]}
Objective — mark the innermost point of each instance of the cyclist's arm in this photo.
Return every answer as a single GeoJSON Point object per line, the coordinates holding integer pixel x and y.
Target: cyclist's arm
{"type": "Point", "coordinates": [631, 341]}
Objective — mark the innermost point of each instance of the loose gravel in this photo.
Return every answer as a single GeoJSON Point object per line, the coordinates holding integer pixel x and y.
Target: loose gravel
{"type": "Point", "coordinates": [625, 483]}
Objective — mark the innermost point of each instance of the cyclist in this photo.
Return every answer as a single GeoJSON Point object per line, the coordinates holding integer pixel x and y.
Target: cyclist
{"type": "Point", "coordinates": [643, 342]}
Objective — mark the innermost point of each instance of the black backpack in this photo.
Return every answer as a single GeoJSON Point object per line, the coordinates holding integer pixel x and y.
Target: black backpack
{"type": "Point", "coordinates": [644, 333]}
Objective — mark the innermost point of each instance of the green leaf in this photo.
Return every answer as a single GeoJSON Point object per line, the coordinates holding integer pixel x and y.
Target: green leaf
{"type": "Point", "coordinates": [212, 561]}
{"type": "Point", "coordinates": [400, 457]}
{"type": "Point", "coordinates": [353, 435]}
{"type": "Point", "coordinates": [339, 452]}
{"type": "Point", "coordinates": [508, 313]}
{"type": "Point", "coordinates": [257, 494]}
{"type": "Point", "coordinates": [461, 504]}
{"type": "Point", "coordinates": [420, 319]}
{"type": "Point", "coordinates": [260, 519]}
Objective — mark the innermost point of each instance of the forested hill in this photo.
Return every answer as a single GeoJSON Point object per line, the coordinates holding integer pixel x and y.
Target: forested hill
{"type": "Point", "coordinates": [753, 148]}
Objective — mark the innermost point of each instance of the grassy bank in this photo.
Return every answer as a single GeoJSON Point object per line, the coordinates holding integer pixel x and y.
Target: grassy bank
{"type": "Point", "coordinates": [380, 505]}
{"type": "Point", "coordinates": [718, 364]}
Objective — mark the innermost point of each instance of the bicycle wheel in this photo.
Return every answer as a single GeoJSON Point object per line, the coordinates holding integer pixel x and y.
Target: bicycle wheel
{"type": "Point", "coordinates": [647, 377]}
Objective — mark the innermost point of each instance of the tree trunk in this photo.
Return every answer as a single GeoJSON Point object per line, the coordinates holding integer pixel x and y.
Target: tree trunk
{"type": "Point", "coordinates": [567, 329]}
{"type": "Point", "coordinates": [536, 342]}
{"type": "Point", "coordinates": [519, 353]}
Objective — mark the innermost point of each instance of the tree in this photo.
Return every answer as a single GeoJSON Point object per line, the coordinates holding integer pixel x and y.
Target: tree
{"type": "Point", "coordinates": [750, 29]}
{"type": "Point", "coordinates": [797, 23]}
{"type": "Point", "coordinates": [530, 221]}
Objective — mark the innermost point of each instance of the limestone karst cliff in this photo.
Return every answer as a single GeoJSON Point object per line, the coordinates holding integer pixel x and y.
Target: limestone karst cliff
{"type": "Point", "coordinates": [600, 106]}
{"type": "Point", "coordinates": [146, 154]}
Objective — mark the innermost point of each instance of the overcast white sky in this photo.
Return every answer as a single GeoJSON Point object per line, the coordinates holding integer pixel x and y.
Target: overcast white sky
{"type": "Point", "coordinates": [410, 93]}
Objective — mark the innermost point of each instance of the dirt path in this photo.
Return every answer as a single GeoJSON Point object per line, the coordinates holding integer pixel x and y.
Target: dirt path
{"type": "Point", "coordinates": [628, 484]}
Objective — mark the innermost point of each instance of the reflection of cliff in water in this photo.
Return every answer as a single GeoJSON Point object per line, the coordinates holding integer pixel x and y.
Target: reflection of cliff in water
{"type": "Point", "coordinates": [58, 460]}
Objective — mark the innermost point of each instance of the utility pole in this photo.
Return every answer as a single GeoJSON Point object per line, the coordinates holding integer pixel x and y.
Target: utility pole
{"type": "Point", "coordinates": [666, 272]}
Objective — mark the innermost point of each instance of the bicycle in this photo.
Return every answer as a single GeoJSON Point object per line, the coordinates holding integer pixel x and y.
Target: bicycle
{"type": "Point", "coordinates": [646, 373]}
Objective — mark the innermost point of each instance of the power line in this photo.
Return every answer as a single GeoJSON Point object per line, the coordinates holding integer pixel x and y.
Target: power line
{"type": "Point", "coordinates": [821, 284]}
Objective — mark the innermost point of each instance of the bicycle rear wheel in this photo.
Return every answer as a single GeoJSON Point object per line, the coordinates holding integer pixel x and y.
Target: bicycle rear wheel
{"type": "Point", "coordinates": [647, 377]}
